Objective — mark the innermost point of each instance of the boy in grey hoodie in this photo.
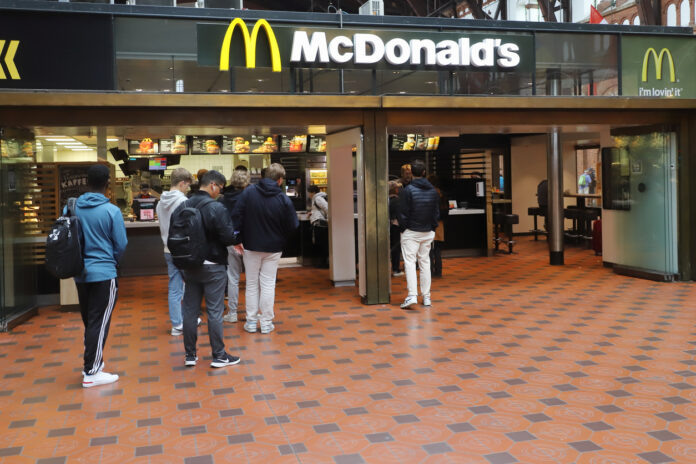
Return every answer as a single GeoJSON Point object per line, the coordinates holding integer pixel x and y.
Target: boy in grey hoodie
{"type": "Point", "coordinates": [104, 238]}
{"type": "Point", "coordinates": [170, 201]}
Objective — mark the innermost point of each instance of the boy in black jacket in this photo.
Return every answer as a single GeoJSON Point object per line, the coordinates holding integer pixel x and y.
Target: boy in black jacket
{"type": "Point", "coordinates": [266, 219]}
{"type": "Point", "coordinates": [209, 279]}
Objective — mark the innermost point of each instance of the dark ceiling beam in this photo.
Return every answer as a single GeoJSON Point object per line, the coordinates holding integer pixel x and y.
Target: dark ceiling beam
{"type": "Point", "coordinates": [417, 11]}
{"type": "Point", "coordinates": [648, 12]}
{"type": "Point", "coordinates": [476, 8]}
{"type": "Point", "coordinates": [547, 10]}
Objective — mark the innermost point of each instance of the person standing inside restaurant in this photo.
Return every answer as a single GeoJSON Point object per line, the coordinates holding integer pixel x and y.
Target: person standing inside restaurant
{"type": "Point", "coordinates": [266, 219]}
{"type": "Point", "coordinates": [419, 213]}
{"type": "Point", "coordinates": [406, 175]}
{"type": "Point", "coordinates": [169, 201]}
{"type": "Point", "coordinates": [394, 231]}
{"type": "Point", "coordinates": [439, 239]}
{"type": "Point", "coordinates": [319, 219]}
{"type": "Point", "coordinates": [104, 242]}
{"type": "Point", "coordinates": [210, 278]}
{"type": "Point", "coordinates": [240, 181]}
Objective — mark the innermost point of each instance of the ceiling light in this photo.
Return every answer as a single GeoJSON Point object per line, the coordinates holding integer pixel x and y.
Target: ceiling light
{"type": "Point", "coordinates": [61, 139]}
{"type": "Point", "coordinates": [81, 149]}
{"type": "Point", "coordinates": [67, 142]}
{"type": "Point", "coordinates": [109, 139]}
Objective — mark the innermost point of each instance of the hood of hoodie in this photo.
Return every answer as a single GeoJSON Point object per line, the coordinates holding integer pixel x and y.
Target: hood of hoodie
{"type": "Point", "coordinates": [171, 199]}
{"type": "Point", "coordinates": [91, 200]}
{"type": "Point", "coordinates": [422, 183]}
{"type": "Point", "coordinates": [232, 193]}
{"type": "Point", "coordinates": [268, 187]}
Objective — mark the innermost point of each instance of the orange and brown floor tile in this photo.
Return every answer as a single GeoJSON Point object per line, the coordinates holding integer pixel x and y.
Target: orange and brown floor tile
{"type": "Point", "coordinates": [516, 361]}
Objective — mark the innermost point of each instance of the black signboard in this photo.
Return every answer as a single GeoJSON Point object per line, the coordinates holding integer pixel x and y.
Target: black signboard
{"type": "Point", "coordinates": [317, 144]}
{"type": "Point", "coordinates": [174, 146]}
{"type": "Point", "coordinates": [50, 51]}
{"type": "Point", "coordinates": [202, 145]}
{"type": "Point", "coordinates": [73, 181]}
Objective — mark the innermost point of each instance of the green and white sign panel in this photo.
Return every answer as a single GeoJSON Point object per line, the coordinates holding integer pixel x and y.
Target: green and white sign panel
{"type": "Point", "coordinates": [662, 67]}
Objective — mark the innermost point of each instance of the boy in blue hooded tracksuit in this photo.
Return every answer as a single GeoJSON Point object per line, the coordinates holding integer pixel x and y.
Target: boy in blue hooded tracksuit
{"type": "Point", "coordinates": [104, 242]}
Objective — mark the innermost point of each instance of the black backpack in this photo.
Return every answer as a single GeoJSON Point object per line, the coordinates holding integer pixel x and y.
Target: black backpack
{"type": "Point", "coordinates": [187, 241]}
{"type": "Point", "coordinates": [64, 245]}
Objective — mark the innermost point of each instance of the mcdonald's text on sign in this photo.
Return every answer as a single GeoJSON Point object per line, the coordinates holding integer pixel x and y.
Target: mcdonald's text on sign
{"type": "Point", "coordinates": [8, 60]}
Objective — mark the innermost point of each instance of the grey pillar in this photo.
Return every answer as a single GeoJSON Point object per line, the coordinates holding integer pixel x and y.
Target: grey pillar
{"type": "Point", "coordinates": [554, 166]}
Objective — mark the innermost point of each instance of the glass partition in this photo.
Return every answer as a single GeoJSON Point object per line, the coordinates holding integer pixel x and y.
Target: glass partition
{"type": "Point", "coordinates": [19, 225]}
{"type": "Point", "coordinates": [588, 63]}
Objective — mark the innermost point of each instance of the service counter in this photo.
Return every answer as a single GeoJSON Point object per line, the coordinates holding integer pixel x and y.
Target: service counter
{"type": "Point", "coordinates": [465, 229]}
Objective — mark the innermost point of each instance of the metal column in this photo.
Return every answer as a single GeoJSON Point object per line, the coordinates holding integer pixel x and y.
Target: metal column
{"type": "Point", "coordinates": [554, 166]}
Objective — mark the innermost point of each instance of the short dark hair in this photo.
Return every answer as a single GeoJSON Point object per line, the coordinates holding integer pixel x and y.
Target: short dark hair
{"type": "Point", "coordinates": [241, 167]}
{"type": "Point", "coordinates": [212, 176]}
{"type": "Point", "coordinates": [313, 189]}
{"type": "Point", "coordinates": [98, 176]}
{"type": "Point", "coordinates": [418, 168]}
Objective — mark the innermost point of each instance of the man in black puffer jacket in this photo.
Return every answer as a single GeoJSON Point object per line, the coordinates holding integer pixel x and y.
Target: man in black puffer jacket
{"type": "Point", "coordinates": [419, 214]}
{"type": "Point", "coordinates": [210, 278]}
{"type": "Point", "coordinates": [266, 219]}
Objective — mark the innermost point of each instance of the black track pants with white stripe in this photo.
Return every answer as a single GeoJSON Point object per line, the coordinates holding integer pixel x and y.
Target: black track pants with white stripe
{"type": "Point", "coordinates": [97, 301]}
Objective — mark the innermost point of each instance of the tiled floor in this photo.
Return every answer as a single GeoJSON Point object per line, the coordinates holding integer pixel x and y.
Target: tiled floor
{"type": "Point", "coordinates": [516, 362]}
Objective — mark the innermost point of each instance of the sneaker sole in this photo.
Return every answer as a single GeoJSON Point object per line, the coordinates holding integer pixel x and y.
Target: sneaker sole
{"type": "Point", "coordinates": [251, 331]}
{"type": "Point", "coordinates": [216, 364]}
{"type": "Point", "coordinates": [406, 306]}
{"type": "Point", "coordinates": [190, 363]}
{"type": "Point", "coordinates": [96, 384]}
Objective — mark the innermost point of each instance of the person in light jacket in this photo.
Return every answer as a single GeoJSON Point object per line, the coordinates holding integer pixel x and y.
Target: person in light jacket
{"type": "Point", "coordinates": [319, 219]}
{"type": "Point", "coordinates": [104, 243]}
{"type": "Point", "coordinates": [169, 201]}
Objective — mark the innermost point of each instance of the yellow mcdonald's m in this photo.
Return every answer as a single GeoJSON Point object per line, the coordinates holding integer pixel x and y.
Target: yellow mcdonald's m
{"type": "Point", "coordinates": [657, 59]}
{"type": "Point", "coordinates": [249, 44]}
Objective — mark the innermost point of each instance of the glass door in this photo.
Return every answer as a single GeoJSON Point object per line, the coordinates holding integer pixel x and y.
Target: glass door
{"type": "Point", "coordinates": [641, 170]}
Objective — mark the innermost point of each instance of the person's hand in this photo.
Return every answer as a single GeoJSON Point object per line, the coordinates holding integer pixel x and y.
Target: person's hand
{"type": "Point", "coordinates": [239, 249]}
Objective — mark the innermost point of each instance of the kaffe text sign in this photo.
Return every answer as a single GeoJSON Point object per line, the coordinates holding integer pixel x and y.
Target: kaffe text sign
{"type": "Point", "coordinates": [260, 44]}
{"type": "Point", "coordinates": [662, 67]}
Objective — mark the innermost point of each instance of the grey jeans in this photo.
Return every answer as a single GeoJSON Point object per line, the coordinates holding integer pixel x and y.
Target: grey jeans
{"type": "Point", "coordinates": [207, 281]}
{"type": "Point", "coordinates": [234, 269]}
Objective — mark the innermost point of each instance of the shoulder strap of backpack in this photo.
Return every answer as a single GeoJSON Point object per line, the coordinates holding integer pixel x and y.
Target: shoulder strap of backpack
{"type": "Point", "coordinates": [71, 206]}
{"type": "Point", "coordinates": [205, 202]}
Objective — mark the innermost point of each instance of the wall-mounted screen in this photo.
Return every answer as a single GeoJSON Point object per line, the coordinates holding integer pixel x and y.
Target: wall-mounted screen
{"type": "Point", "coordinates": [178, 145]}
{"type": "Point", "coordinates": [145, 146]}
{"type": "Point", "coordinates": [157, 164]}
{"type": "Point", "coordinates": [202, 145]}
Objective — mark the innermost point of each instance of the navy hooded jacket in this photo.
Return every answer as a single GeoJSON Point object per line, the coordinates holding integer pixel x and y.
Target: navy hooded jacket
{"type": "Point", "coordinates": [265, 217]}
{"type": "Point", "coordinates": [419, 206]}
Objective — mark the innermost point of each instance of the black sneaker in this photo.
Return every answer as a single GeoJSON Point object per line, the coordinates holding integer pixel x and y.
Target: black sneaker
{"type": "Point", "coordinates": [227, 360]}
{"type": "Point", "coordinates": [191, 360]}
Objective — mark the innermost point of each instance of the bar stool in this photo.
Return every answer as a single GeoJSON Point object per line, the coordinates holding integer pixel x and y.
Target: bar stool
{"type": "Point", "coordinates": [537, 211]}
{"type": "Point", "coordinates": [505, 220]}
{"type": "Point", "coordinates": [576, 215]}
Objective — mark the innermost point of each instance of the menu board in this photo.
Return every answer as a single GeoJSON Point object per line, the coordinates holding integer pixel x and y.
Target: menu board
{"type": "Point", "coordinates": [174, 146]}
{"type": "Point", "coordinates": [145, 146]}
{"type": "Point", "coordinates": [205, 145]}
{"type": "Point", "coordinates": [411, 142]}
{"type": "Point", "coordinates": [317, 144]}
{"type": "Point", "coordinates": [16, 148]}
{"type": "Point", "coordinates": [72, 180]}
{"type": "Point", "coordinates": [296, 143]}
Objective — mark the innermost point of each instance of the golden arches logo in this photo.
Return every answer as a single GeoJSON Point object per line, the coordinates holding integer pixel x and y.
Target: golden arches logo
{"type": "Point", "coordinates": [250, 44]}
{"type": "Point", "coordinates": [657, 59]}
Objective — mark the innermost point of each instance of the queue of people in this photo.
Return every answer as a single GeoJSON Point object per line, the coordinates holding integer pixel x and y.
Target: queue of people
{"type": "Point", "coordinates": [246, 230]}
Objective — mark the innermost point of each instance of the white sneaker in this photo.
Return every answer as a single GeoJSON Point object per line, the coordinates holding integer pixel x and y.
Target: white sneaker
{"type": "Point", "coordinates": [267, 328]}
{"type": "Point", "coordinates": [199, 321]}
{"type": "Point", "coordinates": [100, 378]}
{"type": "Point", "coordinates": [231, 316]}
{"type": "Point", "coordinates": [177, 330]}
{"type": "Point", "coordinates": [409, 301]}
{"type": "Point", "coordinates": [426, 300]}
{"type": "Point", "coordinates": [398, 274]}
{"type": "Point", "coordinates": [250, 327]}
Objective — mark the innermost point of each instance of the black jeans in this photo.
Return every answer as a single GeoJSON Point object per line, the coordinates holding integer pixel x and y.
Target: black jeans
{"type": "Point", "coordinates": [321, 244]}
{"type": "Point", "coordinates": [436, 259]}
{"type": "Point", "coordinates": [209, 281]}
{"type": "Point", "coordinates": [395, 246]}
{"type": "Point", "coordinates": [97, 301]}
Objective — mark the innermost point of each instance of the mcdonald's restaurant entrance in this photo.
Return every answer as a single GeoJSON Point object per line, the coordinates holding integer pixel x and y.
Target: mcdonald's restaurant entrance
{"type": "Point", "coordinates": [490, 111]}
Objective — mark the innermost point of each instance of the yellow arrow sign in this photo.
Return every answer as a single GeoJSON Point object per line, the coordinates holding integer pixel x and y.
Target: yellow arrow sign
{"type": "Point", "coordinates": [9, 59]}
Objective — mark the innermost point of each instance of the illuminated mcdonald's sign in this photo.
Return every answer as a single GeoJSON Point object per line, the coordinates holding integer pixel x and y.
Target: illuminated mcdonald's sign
{"type": "Point", "coordinates": [249, 44]}
{"type": "Point", "coordinates": [9, 60]}
{"type": "Point", "coordinates": [657, 59]}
